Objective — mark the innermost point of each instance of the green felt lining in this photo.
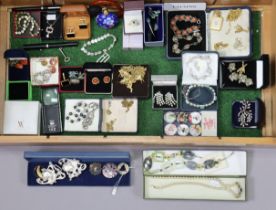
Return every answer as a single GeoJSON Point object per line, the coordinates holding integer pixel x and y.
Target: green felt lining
{"type": "Point", "coordinates": [150, 121]}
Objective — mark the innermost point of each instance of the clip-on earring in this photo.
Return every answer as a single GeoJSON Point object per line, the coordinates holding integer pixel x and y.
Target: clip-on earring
{"type": "Point", "coordinates": [170, 100]}
{"type": "Point", "coordinates": [72, 167]}
{"type": "Point", "coordinates": [159, 99]}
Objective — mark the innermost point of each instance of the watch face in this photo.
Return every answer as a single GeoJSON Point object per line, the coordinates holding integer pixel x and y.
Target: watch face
{"type": "Point", "coordinates": [195, 130]}
{"type": "Point", "coordinates": [170, 117]}
{"type": "Point", "coordinates": [183, 130]}
{"type": "Point", "coordinates": [95, 169]}
{"type": "Point", "coordinates": [109, 170]}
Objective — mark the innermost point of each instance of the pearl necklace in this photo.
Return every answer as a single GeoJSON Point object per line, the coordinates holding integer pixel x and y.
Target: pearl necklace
{"type": "Point", "coordinates": [104, 55]}
{"type": "Point", "coordinates": [201, 106]}
{"type": "Point", "coordinates": [28, 22]}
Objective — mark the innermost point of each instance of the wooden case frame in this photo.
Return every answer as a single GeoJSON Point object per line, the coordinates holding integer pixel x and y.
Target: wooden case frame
{"type": "Point", "coordinates": [268, 9]}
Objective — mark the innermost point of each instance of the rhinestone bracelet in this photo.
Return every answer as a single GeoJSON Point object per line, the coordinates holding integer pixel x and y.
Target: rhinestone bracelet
{"type": "Point", "coordinates": [201, 106]}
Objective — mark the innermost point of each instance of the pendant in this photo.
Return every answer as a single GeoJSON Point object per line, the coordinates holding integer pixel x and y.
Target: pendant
{"type": "Point", "coordinates": [49, 30]}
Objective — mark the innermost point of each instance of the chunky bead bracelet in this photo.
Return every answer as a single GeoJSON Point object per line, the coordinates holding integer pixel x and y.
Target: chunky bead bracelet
{"type": "Point", "coordinates": [201, 106]}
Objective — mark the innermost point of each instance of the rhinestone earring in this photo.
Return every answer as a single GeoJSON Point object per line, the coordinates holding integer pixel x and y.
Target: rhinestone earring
{"type": "Point", "coordinates": [170, 100]}
{"type": "Point", "coordinates": [159, 99]}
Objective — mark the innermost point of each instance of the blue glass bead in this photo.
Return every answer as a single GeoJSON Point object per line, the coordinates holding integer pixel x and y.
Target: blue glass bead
{"type": "Point", "coordinates": [107, 21]}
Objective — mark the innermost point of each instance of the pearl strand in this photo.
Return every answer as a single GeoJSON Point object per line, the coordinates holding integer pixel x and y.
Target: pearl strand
{"type": "Point", "coordinates": [201, 106]}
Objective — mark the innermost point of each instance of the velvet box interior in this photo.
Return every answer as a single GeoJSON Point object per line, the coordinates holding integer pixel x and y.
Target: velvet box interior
{"type": "Point", "coordinates": [48, 19]}
{"type": "Point", "coordinates": [247, 114]}
{"type": "Point", "coordinates": [18, 19]}
{"type": "Point", "coordinates": [154, 25]}
{"type": "Point", "coordinates": [19, 67]}
{"type": "Point", "coordinates": [184, 25]}
{"type": "Point", "coordinates": [19, 90]}
{"type": "Point", "coordinates": [98, 78]}
{"type": "Point", "coordinates": [200, 96]}
{"type": "Point", "coordinates": [253, 71]}
{"type": "Point", "coordinates": [71, 79]}
{"type": "Point", "coordinates": [138, 89]}
{"type": "Point", "coordinates": [86, 178]}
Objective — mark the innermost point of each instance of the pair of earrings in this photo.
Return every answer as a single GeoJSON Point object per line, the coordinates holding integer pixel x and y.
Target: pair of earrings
{"type": "Point", "coordinates": [49, 176]}
{"type": "Point", "coordinates": [162, 100]}
{"type": "Point", "coordinates": [96, 80]}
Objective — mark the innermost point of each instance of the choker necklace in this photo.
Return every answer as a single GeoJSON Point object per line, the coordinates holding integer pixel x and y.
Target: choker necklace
{"type": "Point", "coordinates": [234, 188]}
{"type": "Point", "coordinates": [201, 106]}
{"type": "Point", "coordinates": [188, 161]}
{"type": "Point", "coordinates": [104, 55]}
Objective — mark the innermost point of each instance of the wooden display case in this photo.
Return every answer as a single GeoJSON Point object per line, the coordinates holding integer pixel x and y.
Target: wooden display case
{"type": "Point", "coordinates": [268, 9]}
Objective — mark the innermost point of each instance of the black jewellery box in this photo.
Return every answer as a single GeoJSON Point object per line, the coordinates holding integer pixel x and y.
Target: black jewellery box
{"type": "Point", "coordinates": [51, 112]}
{"type": "Point", "coordinates": [71, 79]}
{"type": "Point", "coordinates": [18, 64]}
{"type": "Point", "coordinates": [98, 78]}
{"type": "Point", "coordinates": [164, 92]}
{"type": "Point", "coordinates": [51, 25]}
{"type": "Point", "coordinates": [186, 30]}
{"type": "Point", "coordinates": [131, 81]}
{"type": "Point", "coordinates": [248, 113]}
{"type": "Point", "coordinates": [244, 74]}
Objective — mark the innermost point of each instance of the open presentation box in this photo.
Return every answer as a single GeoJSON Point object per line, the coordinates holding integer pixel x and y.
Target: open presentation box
{"type": "Point", "coordinates": [267, 8]}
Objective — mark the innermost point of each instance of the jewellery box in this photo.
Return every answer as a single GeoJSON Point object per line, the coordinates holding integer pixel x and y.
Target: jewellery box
{"type": "Point", "coordinates": [186, 29]}
{"type": "Point", "coordinates": [51, 25]}
{"type": "Point", "coordinates": [71, 79]}
{"type": "Point", "coordinates": [44, 71]}
{"type": "Point", "coordinates": [154, 25]}
{"type": "Point", "coordinates": [98, 78]}
{"type": "Point", "coordinates": [22, 117]}
{"type": "Point", "coordinates": [164, 91]}
{"type": "Point", "coordinates": [76, 22]}
{"type": "Point", "coordinates": [230, 32]}
{"type": "Point", "coordinates": [26, 24]}
{"type": "Point", "coordinates": [120, 115]}
{"type": "Point", "coordinates": [180, 123]}
{"type": "Point", "coordinates": [51, 112]}
{"type": "Point", "coordinates": [247, 113]}
{"type": "Point", "coordinates": [18, 64]}
{"type": "Point", "coordinates": [244, 74]}
{"type": "Point", "coordinates": [195, 174]}
{"type": "Point", "coordinates": [18, 90]}
{"type": "Point", "coordinates": [199, 80]}
{"type": "Point", "coordinates": [82, 115]}
{"type": "Point", "coordinates": [78, 169]}
{"type": "Point", "coordinates": [133, 17]}
{"type": "Point", "coordinates": [131, 81]}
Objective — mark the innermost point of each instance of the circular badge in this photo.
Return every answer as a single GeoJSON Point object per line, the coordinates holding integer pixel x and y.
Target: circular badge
{"type": "Point", "coordinates": [195, 118]}
{"type": "Point", "coordinates": [95, 169]}
{"type": "Point", "coordinates": [170, 129]}
{"type": "Point", "coordinates": [170, 117]}
{"type": "Point", "coordinates": [109, 170]}
{"type": "Point", "coordinates": [182, 117]}
{"type": "Point", "coordinates": [195, 130]}
{"type": "Point", "coordinates": [183, 130]}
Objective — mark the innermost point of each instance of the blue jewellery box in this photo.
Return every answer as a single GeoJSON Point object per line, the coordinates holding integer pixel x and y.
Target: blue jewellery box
{"type": "Point", "coordinates": [78, 168]}
{"type": "Point", "coordinates": [247, 113]}
{"type": "Point", "coordinates": [18, 64]}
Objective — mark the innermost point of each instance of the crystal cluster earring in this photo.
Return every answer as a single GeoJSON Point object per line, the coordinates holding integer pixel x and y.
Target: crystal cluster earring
{"type": "Point", "coordinates": [168, 100]}
{"type": "Point", "coordinates": [48, 176]}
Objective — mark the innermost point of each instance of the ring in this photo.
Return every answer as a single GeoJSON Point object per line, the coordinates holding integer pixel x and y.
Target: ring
{"type": "Point", "coordinates": [95, 81]}
{"type": "Point", "coordinates": [134, 22]}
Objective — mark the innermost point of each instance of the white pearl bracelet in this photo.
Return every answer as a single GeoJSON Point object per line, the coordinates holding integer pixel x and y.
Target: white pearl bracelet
{"type": "Point", "coordinates": [201, 106]}
{"type": "Point", "coordinates": [102, 52]}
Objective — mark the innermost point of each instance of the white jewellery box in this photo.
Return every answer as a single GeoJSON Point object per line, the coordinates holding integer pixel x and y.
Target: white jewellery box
{"type": "Point", "coordinates": [120, 115]}
{"type": "Point", "coordinates": [22, 117]}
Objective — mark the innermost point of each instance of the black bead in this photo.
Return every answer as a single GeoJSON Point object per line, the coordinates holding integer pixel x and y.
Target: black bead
{"type": "Point", "coordinates": [191, 165]}
{"type": "Point", "coordinates": [72, 121]}
{"type": "Point", "coordinates": [67, 118]}
{"type": "Point", "coordinates": [209, 163]}
{"type": "Point", "coordinates": [70, 113]}
{"type": "Point", "coordinates": [188, 155]}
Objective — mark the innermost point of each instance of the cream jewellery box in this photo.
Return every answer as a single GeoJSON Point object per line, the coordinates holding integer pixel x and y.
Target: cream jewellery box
{"type": "Point", "coordinates": [22, 117]}
{"type": "Point", "coordinates": [195, 174]}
